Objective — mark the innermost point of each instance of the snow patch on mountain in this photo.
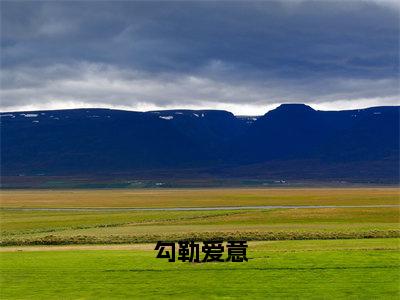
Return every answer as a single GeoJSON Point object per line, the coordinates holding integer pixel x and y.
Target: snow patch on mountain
{"type": "Point", "coordinates": [29, 115]}
{"type": "Point", "coordinates": [166, 117]}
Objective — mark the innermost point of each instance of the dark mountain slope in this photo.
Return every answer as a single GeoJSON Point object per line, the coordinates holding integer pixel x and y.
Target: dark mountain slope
{"type": "Point", "coordinates": [75, 141]}
{"type": "Point", "coordinates": [292, 141]}
{"type": "Point", "coordinates": [208, 128]}
{"type": "Point", "coordinates": [363, 135]}
{"type": "Point", "coordinates": [296, 131]}
{"type": "Point", "coordinates": [287, 132]}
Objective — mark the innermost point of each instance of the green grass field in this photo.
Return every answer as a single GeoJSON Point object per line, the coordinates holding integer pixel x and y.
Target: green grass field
{"type": "Point", "coordinates": [331, 269]}
{"type": "Point", "coordinates": [55, 227]}
{"type": "Point", "coordinates": [81, 227]}
{"type": "Point", "coordinates": [330, 253]}
{"type": "Point", "coordinates": [198, 197]}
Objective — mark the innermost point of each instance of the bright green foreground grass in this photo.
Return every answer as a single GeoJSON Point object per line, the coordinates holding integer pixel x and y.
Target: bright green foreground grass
{"type": "Point", "coordinates": [58, 227]}
{"type": "Point", "coordinates": [331, 269]}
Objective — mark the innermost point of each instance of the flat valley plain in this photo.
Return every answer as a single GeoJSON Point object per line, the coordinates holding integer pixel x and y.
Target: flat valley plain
{"type": "Point", "coordinates": [100, 248]}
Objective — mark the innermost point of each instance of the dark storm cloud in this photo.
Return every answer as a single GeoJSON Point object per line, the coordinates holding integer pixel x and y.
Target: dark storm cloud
{"type": "Point", "coordinates": [199, 53]}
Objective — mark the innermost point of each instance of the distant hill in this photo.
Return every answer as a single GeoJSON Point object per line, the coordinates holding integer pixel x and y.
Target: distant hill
{"type": "Point", "coordinates": [296, 131]}
{"type": "Point", "coordinates": [292, 141]}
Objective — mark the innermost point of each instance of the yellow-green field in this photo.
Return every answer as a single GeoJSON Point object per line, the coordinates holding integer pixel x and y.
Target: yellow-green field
{"type": "Point", "coordinates": [199, 197]}
{"type": "Point", "coordinates": [55, 227]}
{"type": "Point", "coordinates": [87, 244]}
{"type": "Point", "coordinates": [27, 227]}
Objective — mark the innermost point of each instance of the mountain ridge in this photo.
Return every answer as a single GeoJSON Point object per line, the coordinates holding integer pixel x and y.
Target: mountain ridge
{"type": "Point", "coordinates": [93, 141]}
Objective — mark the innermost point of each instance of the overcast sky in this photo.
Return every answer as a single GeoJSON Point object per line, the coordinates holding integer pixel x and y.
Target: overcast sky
{"type": "Point", "coordinates": [246, 57]}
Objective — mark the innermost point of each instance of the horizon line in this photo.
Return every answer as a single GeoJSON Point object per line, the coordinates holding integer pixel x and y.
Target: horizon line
{"type": "Point", "coordinates": [188, 109]}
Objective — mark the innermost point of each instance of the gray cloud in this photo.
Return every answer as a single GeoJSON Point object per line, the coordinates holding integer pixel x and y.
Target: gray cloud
{"type": "Point", "coordinates": [243, 56]}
